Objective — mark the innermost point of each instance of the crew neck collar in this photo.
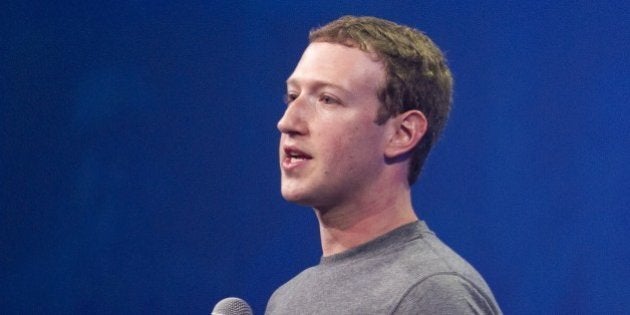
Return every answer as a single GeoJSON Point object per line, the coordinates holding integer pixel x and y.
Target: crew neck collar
{"type": "Point", "coordinates": [380, 244]}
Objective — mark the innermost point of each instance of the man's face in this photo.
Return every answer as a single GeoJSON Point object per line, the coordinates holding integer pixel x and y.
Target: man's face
{"type": "Point", "coordinates": [331, 149]}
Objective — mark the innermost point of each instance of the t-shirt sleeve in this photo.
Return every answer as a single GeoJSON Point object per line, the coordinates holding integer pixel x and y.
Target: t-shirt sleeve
{"type": "Point", "coordinates": [445, 294]}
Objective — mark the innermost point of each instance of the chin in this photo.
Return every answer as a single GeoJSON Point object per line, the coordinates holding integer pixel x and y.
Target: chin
{"type": "Point", "coordinates": [295, 196]}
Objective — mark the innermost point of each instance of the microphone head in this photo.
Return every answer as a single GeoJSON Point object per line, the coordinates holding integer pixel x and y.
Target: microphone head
{"type": "Point", "coordinates": [232, 306]}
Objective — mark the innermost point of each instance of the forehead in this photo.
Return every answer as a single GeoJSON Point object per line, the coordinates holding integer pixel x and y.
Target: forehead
{"type": "Point", "coordinates": [337, 64]}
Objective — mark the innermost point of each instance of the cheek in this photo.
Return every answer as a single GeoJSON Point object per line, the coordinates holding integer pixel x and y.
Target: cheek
{"type": "Point", "coordinates": [344, 148]}
{"type": "Point", "coordinates": [348, 139]}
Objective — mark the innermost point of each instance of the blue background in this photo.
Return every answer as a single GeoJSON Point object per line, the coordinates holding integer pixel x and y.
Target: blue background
{"type": "Point", "coordinates": [139, 152]}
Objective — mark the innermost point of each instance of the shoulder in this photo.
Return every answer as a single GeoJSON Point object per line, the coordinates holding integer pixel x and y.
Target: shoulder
{"type": "Point", "coordinates": [446, 293]}
{"type": "Point", "coordinates": [301, 285]}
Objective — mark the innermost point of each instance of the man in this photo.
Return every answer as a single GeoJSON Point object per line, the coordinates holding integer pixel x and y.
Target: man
{"type": "Point", "coordinates": [365, 104]}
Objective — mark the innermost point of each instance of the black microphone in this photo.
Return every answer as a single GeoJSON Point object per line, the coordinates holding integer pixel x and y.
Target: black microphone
{"type": "Point", "coordinates": [232, 306]}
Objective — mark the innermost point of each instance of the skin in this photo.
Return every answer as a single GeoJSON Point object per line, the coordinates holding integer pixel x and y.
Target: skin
{"type": "Point", "coordinates": [335, 158]}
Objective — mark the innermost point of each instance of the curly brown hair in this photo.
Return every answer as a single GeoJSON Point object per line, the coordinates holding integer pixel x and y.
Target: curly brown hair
{"type": "Point", "coordinates": [417, 75]}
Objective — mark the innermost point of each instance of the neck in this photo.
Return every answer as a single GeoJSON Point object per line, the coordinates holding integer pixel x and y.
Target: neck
{"type": "Point", "coordinates": [348, 226]}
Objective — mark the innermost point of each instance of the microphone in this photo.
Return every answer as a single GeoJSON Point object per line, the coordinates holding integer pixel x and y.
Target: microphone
{"type": "Point", "coordinates": [232, 306]}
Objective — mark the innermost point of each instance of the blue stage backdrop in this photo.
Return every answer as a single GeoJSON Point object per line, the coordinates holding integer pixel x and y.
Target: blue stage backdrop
{"type": "Point", "coordinates": [139, 167]}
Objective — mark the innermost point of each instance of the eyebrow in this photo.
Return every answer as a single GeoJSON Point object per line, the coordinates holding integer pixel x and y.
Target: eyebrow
{"type": "Point", "coordinates": [318, 84]}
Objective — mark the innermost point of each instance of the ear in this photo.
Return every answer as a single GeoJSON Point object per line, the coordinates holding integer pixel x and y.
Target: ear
{"type": "Point", "coordinates": [409, 128]}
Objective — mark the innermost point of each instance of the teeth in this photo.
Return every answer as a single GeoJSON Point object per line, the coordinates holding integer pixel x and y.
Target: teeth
{"type": "Point", "coordinates": [296, 155]}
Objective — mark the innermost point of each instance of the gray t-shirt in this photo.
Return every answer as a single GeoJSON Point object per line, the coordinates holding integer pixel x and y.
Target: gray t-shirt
{"type": "Point", "coordinates": [406, 271]}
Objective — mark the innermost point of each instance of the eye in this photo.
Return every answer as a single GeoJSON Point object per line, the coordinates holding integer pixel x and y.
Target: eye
{"type": "Point", "coordinates": [290, 97]}
{"type": "Point", "coordinates": [327, 99]}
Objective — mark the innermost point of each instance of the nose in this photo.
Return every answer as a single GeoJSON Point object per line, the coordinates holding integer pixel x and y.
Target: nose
{"type": "Point", "coordinates": [293, 122]}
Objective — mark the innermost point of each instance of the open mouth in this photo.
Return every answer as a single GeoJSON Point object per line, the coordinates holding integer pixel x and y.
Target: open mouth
{"type": "Point", "coordinates": [293, 156]}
